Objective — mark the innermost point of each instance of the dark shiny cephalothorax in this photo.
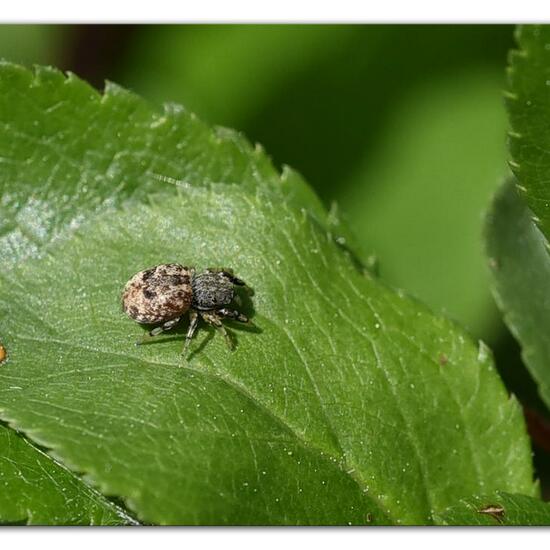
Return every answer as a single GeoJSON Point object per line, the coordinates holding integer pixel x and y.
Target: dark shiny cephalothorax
{"type": "Point", "coordinates": [164, 293]}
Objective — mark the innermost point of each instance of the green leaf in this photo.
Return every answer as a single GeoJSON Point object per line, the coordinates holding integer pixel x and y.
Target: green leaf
{"type": "Point", "coordinates": [37, 490]}
{"type": "Point", "coordinates": [73, 160]}
{"type": "Point", "coordinates": [57, 495]}
{"type": "Point", "coordinates": [350, 404]}
{"type": "Point", "coordinates": [528, 102]}
{"type": "Point", "coordinates": [520, 270]}
{"type": "Point", "coordinates": [496, 509]}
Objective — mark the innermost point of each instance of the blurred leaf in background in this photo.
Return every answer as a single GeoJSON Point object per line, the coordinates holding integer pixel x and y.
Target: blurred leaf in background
{"type": "Point", "coordinates": [229, 73]}
{"type": "Point", "coordinates": [418, 199]}
{"type": "Point", "coordinates": [31, 44]}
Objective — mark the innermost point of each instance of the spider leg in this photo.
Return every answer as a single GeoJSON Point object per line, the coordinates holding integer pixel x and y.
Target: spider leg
{"type": "Point", "coordinates": [212, 318]}
{"type": "Point", "coordinates": [158, 330]}
{"type": "Point", "coordinates": [233, 314]}
{"type": "Point", "coordinates": [193, 322]}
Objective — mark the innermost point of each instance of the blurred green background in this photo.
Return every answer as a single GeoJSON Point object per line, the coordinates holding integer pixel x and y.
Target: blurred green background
{"type": "Point", "coordinates": [403, 126]}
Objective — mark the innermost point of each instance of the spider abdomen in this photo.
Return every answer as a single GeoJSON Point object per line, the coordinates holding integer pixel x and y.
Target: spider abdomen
{"type": "Point", "coordinates": [158, 294]}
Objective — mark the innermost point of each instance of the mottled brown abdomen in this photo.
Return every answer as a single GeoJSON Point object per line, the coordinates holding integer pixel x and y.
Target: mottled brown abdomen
{"type": "Point", "coordinates": [158, 294]}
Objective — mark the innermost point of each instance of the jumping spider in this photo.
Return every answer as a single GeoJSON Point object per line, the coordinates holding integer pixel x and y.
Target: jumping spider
{"type": "Point", "coordinates": [162, 294]}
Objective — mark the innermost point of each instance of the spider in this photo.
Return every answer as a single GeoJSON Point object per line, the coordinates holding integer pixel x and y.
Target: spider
{"type": "Point", "coordinates": [162, 294]}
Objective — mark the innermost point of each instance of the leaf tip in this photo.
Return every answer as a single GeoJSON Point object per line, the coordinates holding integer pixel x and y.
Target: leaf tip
{"type": "Point", "coordinates": [110, 88]}
{"type": "Point", "coordinates": [484, 353]}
